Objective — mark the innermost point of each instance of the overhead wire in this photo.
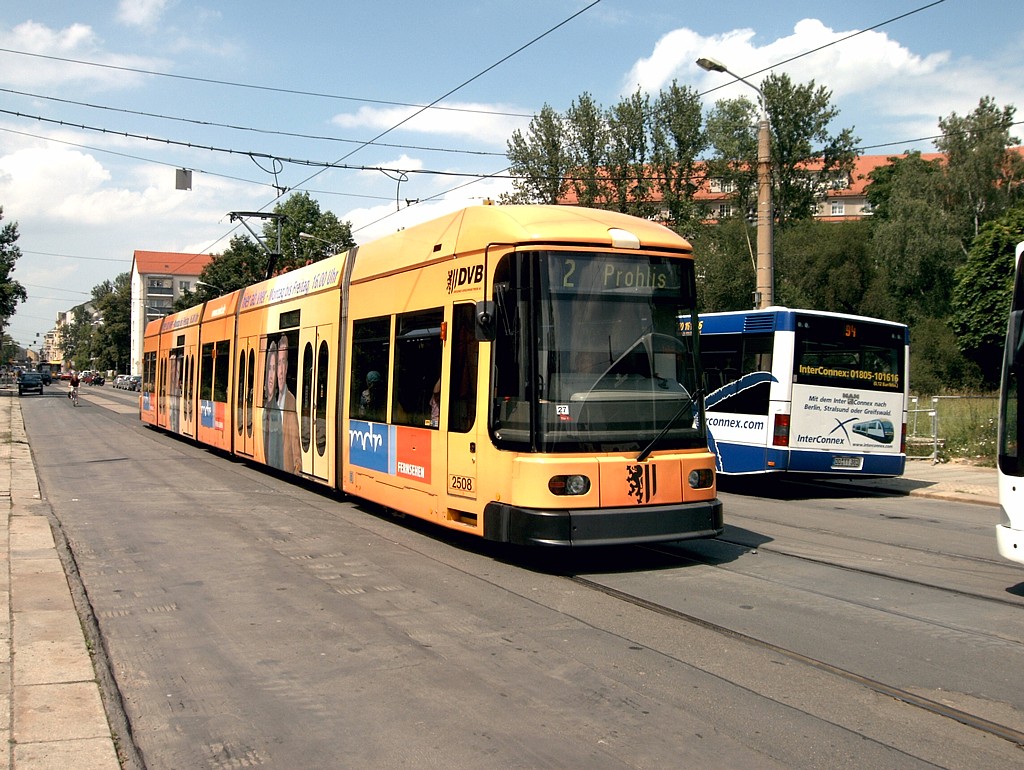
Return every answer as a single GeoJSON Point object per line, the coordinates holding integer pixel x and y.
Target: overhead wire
{"type": "Point", "coordinates": [365, 143]}
{"type": "Point", "coordinates": [213, 124]}
{"type": "Point", "coordinates": [256, 87]}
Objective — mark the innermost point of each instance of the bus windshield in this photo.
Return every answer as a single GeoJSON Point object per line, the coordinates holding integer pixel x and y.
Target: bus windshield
{"type": "Point", "coordinates": [848, 353]}
{"type": "Point", "coordinates": [589, 356]}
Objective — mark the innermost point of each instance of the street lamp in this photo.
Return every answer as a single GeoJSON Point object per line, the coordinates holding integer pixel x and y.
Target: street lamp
{"type": "Point", "coordinates": [217, 289]}
{"type": "Point", "coordinates": [764, 296]}
{"type": "Point", "coordinates": [310, 237]}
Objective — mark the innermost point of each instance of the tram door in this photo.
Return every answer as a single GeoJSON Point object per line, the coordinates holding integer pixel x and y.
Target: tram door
{"type": "Point", "coordinates": [163, 369]}
{"type": "Point", "coordinates": [181, 390]}
{"type": "Point", "coordinates": [188, 389]}
{"type": "Point", "coordinates": [245, 374]}
{"type": "Point", "coordinates": [460, 402]}
{"type": "Point", "coordinates": [316, 409]}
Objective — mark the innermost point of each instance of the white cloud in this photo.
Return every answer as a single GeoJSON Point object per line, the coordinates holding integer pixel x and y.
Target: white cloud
{"type": "Point", "coordinates": [77, 41]}
{"type": "Point", "coordinates": [479, 122]}
{"type": "Point", "coordinates": [140, 13]}
{"type": "Point", "coordinates": [870, 75]}
{"type": "Point", "coordinates": [370, 223]}
{"type": "Point", "coordinates": [859, 64]}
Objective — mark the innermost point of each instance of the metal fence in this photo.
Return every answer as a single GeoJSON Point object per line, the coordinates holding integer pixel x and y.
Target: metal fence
{"type": "Point", "coordinates": [923, 440]}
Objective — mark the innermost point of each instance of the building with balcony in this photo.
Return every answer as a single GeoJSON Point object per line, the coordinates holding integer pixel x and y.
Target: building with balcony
{"type": "Point", "coordinates": [158, 278]}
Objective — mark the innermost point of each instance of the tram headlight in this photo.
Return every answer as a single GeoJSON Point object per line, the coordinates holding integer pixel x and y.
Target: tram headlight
{"type": "Point", "coordinates": [701, 478]}
{"type": "Point", "coordinates": [570, 485]}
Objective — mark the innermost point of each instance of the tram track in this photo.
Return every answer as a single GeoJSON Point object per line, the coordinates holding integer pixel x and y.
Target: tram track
{"type": "Point", "coordinates": [881, 573]}
{"type": "Point", "coordinates": [874, 541]}
{"type": "Point", "coordinates": [929, 705]}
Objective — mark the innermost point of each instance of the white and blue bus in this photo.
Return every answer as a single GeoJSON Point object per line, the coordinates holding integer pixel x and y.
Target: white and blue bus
{"type": "Point", "coordinates": [1010, 468]}
{"type": "Point", "coordinates": [805, 391]}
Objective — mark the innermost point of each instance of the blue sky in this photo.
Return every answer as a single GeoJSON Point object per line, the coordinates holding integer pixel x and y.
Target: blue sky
{"type": "Point", "coordinates": [339, 72]}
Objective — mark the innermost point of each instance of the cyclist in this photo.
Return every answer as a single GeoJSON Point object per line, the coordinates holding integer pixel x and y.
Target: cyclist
{"type": "Point", "coordinates": [73, 393]}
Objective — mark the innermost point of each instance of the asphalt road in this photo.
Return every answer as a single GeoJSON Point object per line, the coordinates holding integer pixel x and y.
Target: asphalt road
{"type": "Point", "coordinates": [250, 622]}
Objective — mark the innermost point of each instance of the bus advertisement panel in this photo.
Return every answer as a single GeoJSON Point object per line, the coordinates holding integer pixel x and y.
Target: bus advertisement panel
{"type": "Point", "coordinates": [805, 391]}
{"type": "Point", "coordinates": [836, 420]}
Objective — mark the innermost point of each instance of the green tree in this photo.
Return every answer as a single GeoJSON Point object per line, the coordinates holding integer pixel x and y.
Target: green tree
{"type": "Point", "coordinates": [807, 160]}
{"type": "Point", "coordinates": [936, 364]}
{"type": "Point", "coordinates": [538, 161]}
{"type": "Point", "coordinates": [111, 337]}
{"type": "Point", "coordinates": [302, 214]}
{"type": "Point", "coordinates": [984, 288]}
{"type": "Point", "coordinates": [800, 116]}
{"type": "Point", "coordinates": [983, 175]}
{"type": "Point", "coordinates": [11, 292]}
{"type": "Point", "coordinates": [677, 141]}
{"type": "Point", "coordinates": [76, 337]}
{"type": "Point", "coordinates": [883, 178]}
{"type": "Point", "coordinates": [586, 135]}
{"type": "Point", "coordinates": [244, 262]}
{"type": "Point", "coordinates": [724, 261]}
{"type": "Point", "coordinates": [628, 154]}
{"type": "Point", "coordinates": [824, 266]}
{"type": "Point", "coordinates": [10, 351]}
{"type": "Point", "coordinates": [733, 164]}
{"type": "Point", "coordinates": [915, 245]}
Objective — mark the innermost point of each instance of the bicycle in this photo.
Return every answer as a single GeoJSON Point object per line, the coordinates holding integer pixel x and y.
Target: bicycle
{"type": "Point", "coordinates": [73, 395]}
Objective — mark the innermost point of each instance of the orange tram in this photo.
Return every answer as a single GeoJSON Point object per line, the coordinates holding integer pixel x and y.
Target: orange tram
{"type": "Point", "coordinates": [514, 372]}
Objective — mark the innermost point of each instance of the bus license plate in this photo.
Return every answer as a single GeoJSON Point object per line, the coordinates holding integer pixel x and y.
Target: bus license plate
{"type": "Point", "coordinates": [847, 463]}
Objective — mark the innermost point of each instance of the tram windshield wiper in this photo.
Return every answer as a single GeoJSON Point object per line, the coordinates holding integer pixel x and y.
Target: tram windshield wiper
{"type": "Point", "coordinates": [690, 401]}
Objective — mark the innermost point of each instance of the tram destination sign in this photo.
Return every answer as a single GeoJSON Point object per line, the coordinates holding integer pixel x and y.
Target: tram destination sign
{"type": "Point", "coordinates": [599, 274]}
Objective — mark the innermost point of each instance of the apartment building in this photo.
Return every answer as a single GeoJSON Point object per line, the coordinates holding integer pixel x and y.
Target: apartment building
{"type": "Point", "coordinates": [158, 278]}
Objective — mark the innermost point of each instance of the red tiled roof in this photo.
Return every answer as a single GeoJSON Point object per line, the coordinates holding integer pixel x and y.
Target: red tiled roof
{"type": "Point", "coordinates": [863, 166]}
{"type": "Point", "coordinates": [170, 263]}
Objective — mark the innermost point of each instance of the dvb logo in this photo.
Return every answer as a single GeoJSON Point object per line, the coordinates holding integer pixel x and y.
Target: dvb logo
{"type": "Point", "coordinates": [464, 276]}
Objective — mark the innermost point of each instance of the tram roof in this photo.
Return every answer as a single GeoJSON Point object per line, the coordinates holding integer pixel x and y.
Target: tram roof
{"type": "Point", "coordinates": [471, 230]}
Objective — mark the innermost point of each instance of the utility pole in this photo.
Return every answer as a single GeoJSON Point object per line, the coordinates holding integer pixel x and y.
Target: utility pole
{"type": "Point", "coordinates": [764, 296]}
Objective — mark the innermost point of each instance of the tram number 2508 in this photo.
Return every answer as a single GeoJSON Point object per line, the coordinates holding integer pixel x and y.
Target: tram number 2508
{"type": "Point", "coordinates": [461, 485]}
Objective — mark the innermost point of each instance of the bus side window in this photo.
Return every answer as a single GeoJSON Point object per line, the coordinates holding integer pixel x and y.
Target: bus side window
{"type": "Point", "coordinates": [757, 353]}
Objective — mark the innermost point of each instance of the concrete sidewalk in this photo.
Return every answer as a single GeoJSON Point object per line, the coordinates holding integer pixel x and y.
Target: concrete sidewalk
{"type": "Point", "coordinates": [955, 481]}
{"type": "Point", "coordinates": [51, 713]}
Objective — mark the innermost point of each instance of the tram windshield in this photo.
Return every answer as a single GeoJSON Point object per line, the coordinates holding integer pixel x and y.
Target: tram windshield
{"type": "Point", "coordinates": [588, 355]}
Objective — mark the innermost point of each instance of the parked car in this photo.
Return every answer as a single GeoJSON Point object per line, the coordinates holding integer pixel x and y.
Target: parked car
{"type": "Point", "coordinates": [135, 382]}
{"type": "Point", "coordinates": [121, 381]}
{"type": "Point", "coordinates": [30, 382]}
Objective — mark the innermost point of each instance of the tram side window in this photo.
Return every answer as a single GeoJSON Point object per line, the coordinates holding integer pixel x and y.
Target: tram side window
{"type": "Point", "coordinates": [206, 372]}
{"type": "Point", "coordinates": [417, 367]}
{"type": "Point", "coordinates": [465, 355]}
{"type": "Point", "coordinates": [371, 352]}
{"type": "Point", "coordinates": [149, 372]}
{"type": "Point", "coordinates": [221, 370]}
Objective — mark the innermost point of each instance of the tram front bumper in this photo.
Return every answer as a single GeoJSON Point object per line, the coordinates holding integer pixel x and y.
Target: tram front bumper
{"type": "Point", "coordinates": [603, 526]}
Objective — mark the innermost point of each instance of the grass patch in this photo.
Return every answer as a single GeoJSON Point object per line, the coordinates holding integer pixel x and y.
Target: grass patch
{"type": "Point", "coordinates": [967, 428]}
